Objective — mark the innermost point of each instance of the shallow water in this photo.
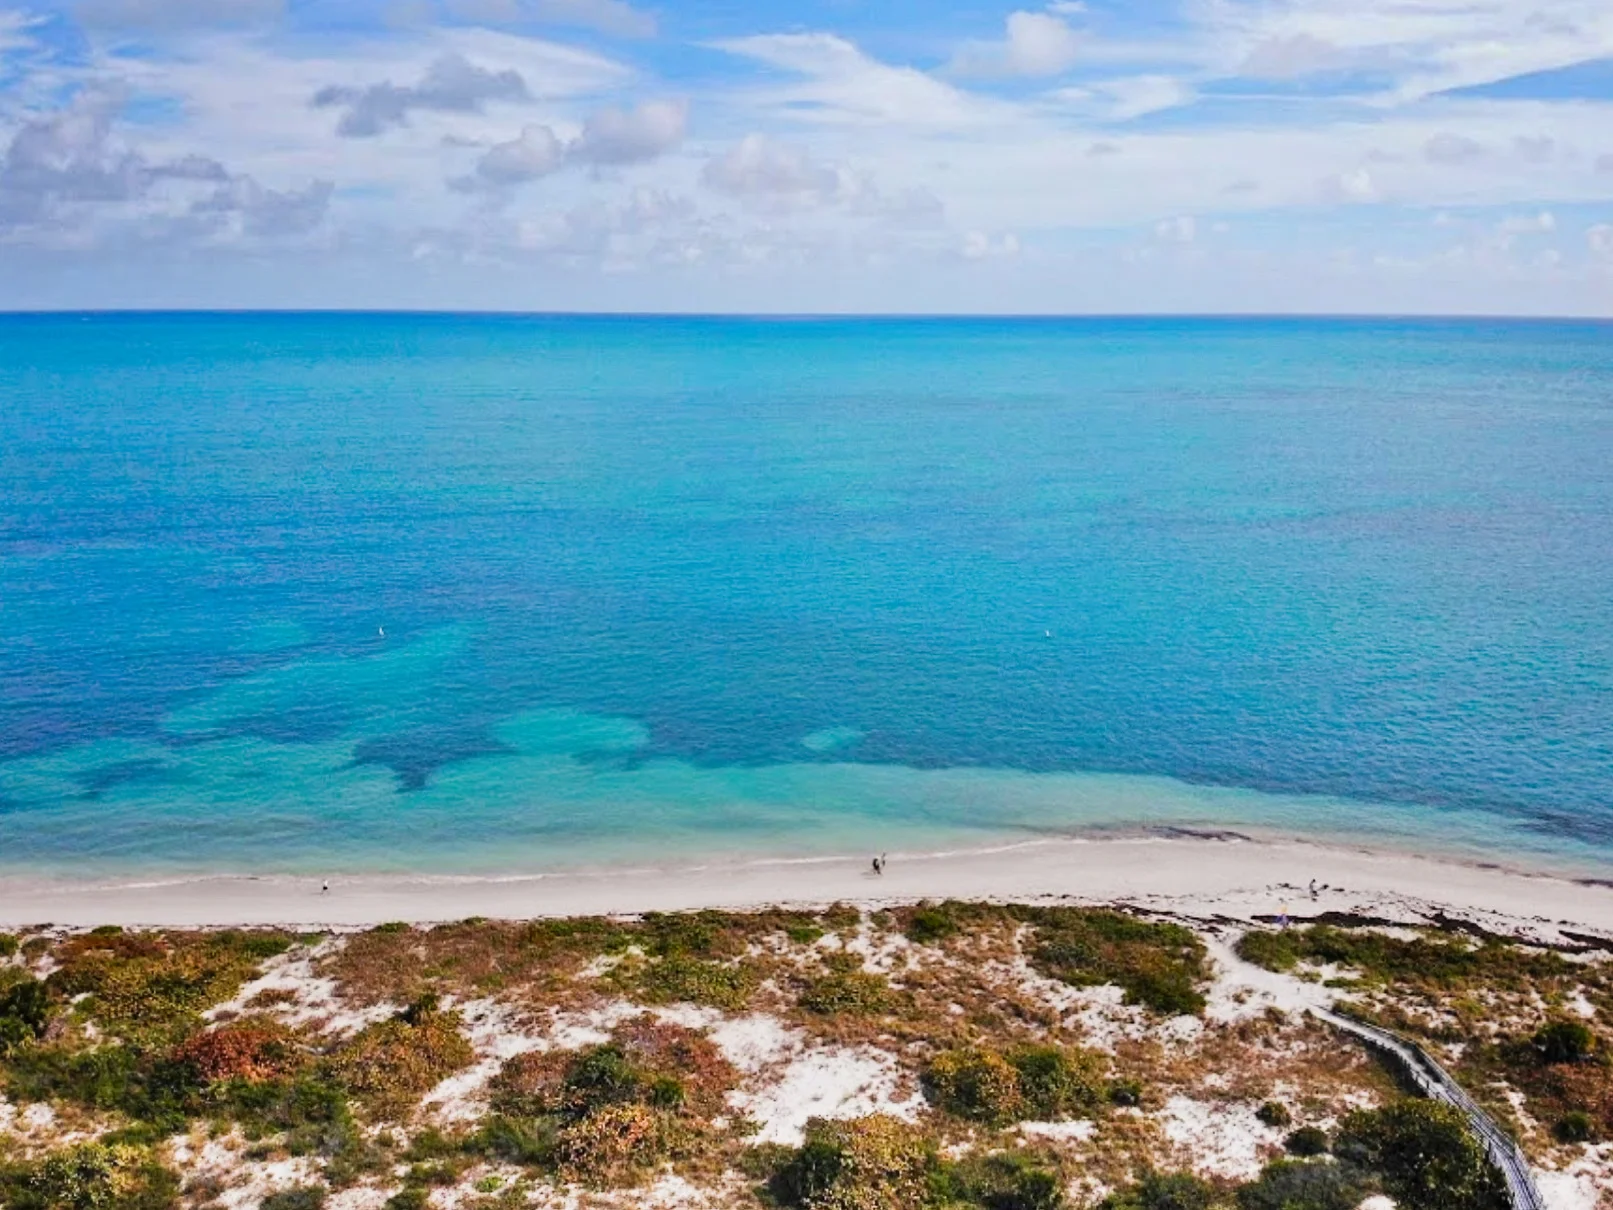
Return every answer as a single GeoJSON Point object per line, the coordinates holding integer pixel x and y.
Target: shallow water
{"type": "Point", "coordinates": [653, 588]}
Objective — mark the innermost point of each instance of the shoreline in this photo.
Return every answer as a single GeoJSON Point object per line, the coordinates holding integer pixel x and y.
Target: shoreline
{"type": "Point", "coordinates": [1232, 876]}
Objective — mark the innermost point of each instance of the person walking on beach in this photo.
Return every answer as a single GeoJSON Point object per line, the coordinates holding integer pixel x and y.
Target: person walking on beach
{"type": "Point", "coordinates": [324, 887]}
{"type": "Point", "coordinates": [879, 866]}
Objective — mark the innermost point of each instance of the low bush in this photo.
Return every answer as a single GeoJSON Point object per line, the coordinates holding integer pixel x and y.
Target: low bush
{"type": "Point", "coordinates": [8, 945]}
{"type": "Point", "coordinates": [1161, 966]}
{"type": "Point", "coordinates": [147, 1088]}
{"type": "Point", "coordinates": [150, 987]}
{"type": "Point", "coordinates": [1125, 1092]}
{"type": "Point", "coordinates": [872, 1163]}
{"type": "Point", "coordinates": [24, 1014]}
{"type": "Point", "coordinates": [391, 1063]}
{"type": "Point", "coordinates": [91, 1176]}
{"type": "Point", "coordinates": [259, 1050]}
{"type": "Point", "coordinates": [611, 1145]}
{"type": "Point", "coordinates": [1274, 1113]}
{"type": "Point", "coordinates": [927, 924]}
{"type": "Point", "coordinates": [1425, 1156]}
{"type": "Point", "coordinates": [1304, 1185]}
{"type": "Point", "coordinates": [1576, 1126]}
{"type": "Point", "coordinates": [682, 980]}
{"type": "Point", "coordinates": [530, 1142]}
{"type": "Point", "coordinates": [1306, 1141]}
{"type": "Point", "coordinates": [977, 1084]}
{"type": "Point", "coordinates": [1006, 1181]}
{"type": "Point", "coordinates": [608, 1114]}
{"type": "Point", "coordinates": [1164, 1191]}
{"type": "Point", "coordinates": [410, 1198]}
{"type": "Point", "coordinates": [1429, 963]}
{"type": "Point", "coordinates": [1045, 1083]}
{"type": "Point", "coordinates": [1558, 1042]}
{"type": "Point", "coordinates": [309, 1197]}
{"type": "Point", "coordinates": [846, 991]}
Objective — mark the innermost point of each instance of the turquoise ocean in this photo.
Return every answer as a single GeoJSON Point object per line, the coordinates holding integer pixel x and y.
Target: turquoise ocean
{"type": "Point", "coordinates": [488, 594]}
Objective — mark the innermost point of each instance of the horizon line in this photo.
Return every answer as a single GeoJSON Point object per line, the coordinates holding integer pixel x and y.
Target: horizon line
{"type": "Point", "coordinates": [541, 313]}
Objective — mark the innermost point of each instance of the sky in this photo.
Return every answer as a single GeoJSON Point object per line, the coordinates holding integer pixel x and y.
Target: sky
{"type": "Point", "coordinates": [1399, 156]}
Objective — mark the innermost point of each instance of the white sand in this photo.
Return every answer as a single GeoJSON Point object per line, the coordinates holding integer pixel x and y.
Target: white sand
{"type": "Point", "coordinates": [1188, 875]}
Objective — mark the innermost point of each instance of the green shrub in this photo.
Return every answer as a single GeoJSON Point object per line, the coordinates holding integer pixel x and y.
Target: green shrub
{"type": "Point", "coordinates": [148, 988]}
{"type": "Point", "coordinates": [24, 1014]}
{"type": "Point", "coordinates": [1575, 1126]}
{"type": "Point", "coordinates": [1157, 1191]}
{"type": "Point", "coordinates": [411, 1198]}
{"type": "Point", "coordinates": [1306, 1141]}
{"type": "Point", "coordinates": [611, 1145]}
{"type": "Point", "coordinates": [1006, 1181]}
{"type": "Point", "coordinates": [1158, 965]}
{"type": "Point", "coordinates": [1312, 1185]}
{"type": "Point", "coordinates": [530, 1142]}
{"type": "Point", "coordinates": [1425, 1156]}
{"type": "Point", "coordinates": [8, 945]}
{"type": "Point", "coordinates": [1433, 963]}
{"type": "Point", "coordinates": [1029, 1082]}
{"type": "Point", "coordinates": [1559, 1042]}
{"type": "Point", "coordinates": [309, 1197]}
{"type": "Point", "coordinates": [91, 1176]}
{"type": "Point", "coordinates": [391, 1063]}
{"type": "Point", "coordinates": [977, 1084]}
{"type": "Point", "coordinates": [871, 1163]}
{"type": "Point", "coordinates": [930, 923]}
{"type": "Point", "coordinates": [149, 1089]}
{"type": "Point", "coordinates": [600, 1077]}
{"type": "Point", "coordinates": [1274, 1113]}
{"type": "Point", "coordinates": [855, 992]}
{"type": "Point", "coordinates": [1057, 1082]}
{"type": "Point", "coordinates": [1126, 1092]}
{"type": "Point", "coordinates": [677, 980]}
{"type": "Point", "coordinates": [1276, 951]}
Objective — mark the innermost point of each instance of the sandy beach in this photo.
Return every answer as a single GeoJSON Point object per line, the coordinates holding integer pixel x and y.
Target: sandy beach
{"type": "Point", "coordinates": [1233, 878]}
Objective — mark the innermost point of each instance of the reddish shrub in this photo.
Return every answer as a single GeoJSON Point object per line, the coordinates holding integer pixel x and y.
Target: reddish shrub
{"type": "Point", "coordinates": [248, 1051]}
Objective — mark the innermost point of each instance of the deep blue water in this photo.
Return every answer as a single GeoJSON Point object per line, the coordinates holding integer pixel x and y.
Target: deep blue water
{"type": "Point", "coordinates": [653, 586]}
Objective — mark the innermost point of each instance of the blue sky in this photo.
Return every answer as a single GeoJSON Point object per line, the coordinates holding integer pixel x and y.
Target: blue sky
{"type": "Point", "coordinates": [831, 155]}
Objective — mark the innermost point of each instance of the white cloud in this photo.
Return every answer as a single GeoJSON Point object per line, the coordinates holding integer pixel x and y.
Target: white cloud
{"type": "Point", "coordinates": [65, 181]}
{"type": "Point", "coordinates": [607, 16]}
{"type": "Point", "coordinates": [1446, 148]}
{"type": "Point", "coordinates": [1033, 44]}
{"type": "Point", "coordinates": [177, 14]}
{"type": "Point", "coordinates": [842, 85]}
{"type": "Point", "coordinates": [246, 208]}
{"type": "Point", "coordinates": [453, 84]}
{"type": "Point", "coordinates": [1290, 56]}
{"type": "Point", "coordinates": [609, 138]}
{"type": "Point", "coordinates": [631, 136]}
{"type": "Point", "coordinates": [1136, 96]}
{"type": "Point", "coordinates": [534, 153]}
{"type": "Point", "coordinates": [761, 170]}
{"type": "Point", "coordinates": [1599, 239]}
{"type": "Point", "coordinates": [1427, 46]}
{"type": "Point", "coordinates": [1355, 185]}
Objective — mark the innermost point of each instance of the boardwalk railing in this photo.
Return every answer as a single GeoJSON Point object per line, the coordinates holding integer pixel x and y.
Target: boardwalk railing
{"type": "Point", "coordinates": [1434, 1082]}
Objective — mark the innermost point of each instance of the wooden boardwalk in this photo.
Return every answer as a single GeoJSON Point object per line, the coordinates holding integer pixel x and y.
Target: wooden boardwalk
{"type": "Point", "coordinates": [1434, 1082]}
